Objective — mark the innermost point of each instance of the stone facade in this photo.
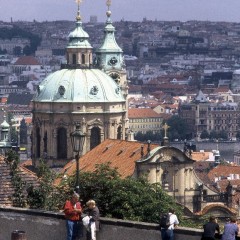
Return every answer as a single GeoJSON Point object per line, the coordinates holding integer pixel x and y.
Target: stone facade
{"type": "Point", "coordinates": [81, 93]}
{"type": "Point", "coordinates": [175, 172]}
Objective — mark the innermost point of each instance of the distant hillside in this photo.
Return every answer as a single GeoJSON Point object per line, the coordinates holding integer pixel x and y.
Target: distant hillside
{"type": "Point", "coordinates": [9, 33]}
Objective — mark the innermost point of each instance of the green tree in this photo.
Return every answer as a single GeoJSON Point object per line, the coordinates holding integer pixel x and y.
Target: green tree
{"type": "Point", "coordinates": [178, 128]}
{"type": "Point", "coordinates": [223, 134]}
{"type": "Point", "coordinates": [139, 136]}
{"type": "Point", "coordinates": [46, 195]}
{"type": "Point", "coordinates": [132, 199]}
{"type": "Point", "coordinates": [19, 195]}
{"type": "Point", "coordinates": [238, 135]}
{"type": "Point", "coordinates": [204, 134]}
{"type": "Point", "coordinates": [213, 134]}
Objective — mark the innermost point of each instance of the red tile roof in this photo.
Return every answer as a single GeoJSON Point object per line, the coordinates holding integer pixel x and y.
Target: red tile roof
{"type": "Point", "coordinates": [200, 156]}
{"type": "Point", "coordinates": [7, 189]}
{"type": "Point", "coordinates": [142, 113]}
{"type": "Point", "coordinates": [121, 155]}
{"type": "Point", "coordinates": [27, 60]}
{"type": "Point", "coordinates": [224, 171]}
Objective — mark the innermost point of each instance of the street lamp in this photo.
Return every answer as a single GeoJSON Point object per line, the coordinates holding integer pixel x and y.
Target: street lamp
{"type": "Point", "coordinates": [77, 140]}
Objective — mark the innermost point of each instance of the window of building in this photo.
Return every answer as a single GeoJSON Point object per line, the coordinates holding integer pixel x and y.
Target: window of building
{"type": "Point", "coordinates": [62, 143]}
{"type": "Point", "coordinates": [95, 138]}
{"type": "Point", "coordinates": [38, 143]}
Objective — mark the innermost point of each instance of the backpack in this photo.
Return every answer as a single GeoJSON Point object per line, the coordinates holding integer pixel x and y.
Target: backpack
{"type": "Point", "coordinates": [165, 220]}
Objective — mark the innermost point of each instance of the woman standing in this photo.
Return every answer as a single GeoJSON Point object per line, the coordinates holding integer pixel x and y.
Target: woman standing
{"type": "Point", "coordinates": [93, 212]}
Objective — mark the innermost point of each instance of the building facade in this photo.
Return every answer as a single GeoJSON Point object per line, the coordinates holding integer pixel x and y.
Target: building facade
{"type": "Point", "coordinates": [202, 115]}
{"type": "Point", "coordinates": [81, 93]}
{"type": "Point", "coordinates": [144, 120]}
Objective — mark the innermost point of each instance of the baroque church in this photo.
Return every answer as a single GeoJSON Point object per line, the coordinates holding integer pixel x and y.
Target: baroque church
{"type": "Point", "coordinates": [89, 91]}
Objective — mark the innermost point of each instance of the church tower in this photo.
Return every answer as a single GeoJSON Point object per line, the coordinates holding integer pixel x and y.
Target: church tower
{"type": "Point", "coordinates": [78, 94]}
{"type": "Point", "coordinates": [109, 57]}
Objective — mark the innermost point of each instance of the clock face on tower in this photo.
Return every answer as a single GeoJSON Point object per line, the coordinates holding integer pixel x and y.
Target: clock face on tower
{"type": "Point", "coordinates": [113, 61]}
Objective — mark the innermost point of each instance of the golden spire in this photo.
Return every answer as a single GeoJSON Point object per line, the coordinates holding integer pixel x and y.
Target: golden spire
{"type": "Point", "coordinates": [78, 17]}
{"type": "Point", "coordinates": [109, 3]}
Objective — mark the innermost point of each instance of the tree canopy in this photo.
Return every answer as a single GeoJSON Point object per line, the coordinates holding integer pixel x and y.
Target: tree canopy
{"type": "Point", "coordinates": [178, 128]}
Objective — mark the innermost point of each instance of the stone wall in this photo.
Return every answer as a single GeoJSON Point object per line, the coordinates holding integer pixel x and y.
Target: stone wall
{"type": "Point", "coordinates": [40, 225]}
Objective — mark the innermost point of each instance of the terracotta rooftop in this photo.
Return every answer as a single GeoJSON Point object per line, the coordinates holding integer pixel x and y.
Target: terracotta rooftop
{"type": "Point", "coordinates": [142, 113]}
{"type": "Point", "coordinates": [7, 190]}
{"type": "Point", "coordinates": [27, 60]}
{"type": "Point", "coordinates": [224, 171]}
{"type": "Point", "coordinates": [121, 155]}
{"type": "Point", "coordinates": [200, 156]}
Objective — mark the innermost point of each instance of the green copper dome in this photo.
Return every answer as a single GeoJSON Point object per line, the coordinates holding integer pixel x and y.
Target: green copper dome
{"type": "Point", "coordinates": [78, 85]}
{"type": "Point", "coordinates": [78, 38]}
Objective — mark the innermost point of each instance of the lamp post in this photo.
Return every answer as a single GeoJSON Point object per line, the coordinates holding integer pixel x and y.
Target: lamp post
{"type": "Point", "coordinates": [77, 140]}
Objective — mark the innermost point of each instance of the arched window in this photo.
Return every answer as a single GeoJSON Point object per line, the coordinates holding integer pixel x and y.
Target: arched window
{"type": "Point", "coordinates": [74, 59]}
{"type": "Point", "coordinates": [83, 58]}
{"type": "Point", "coordinates": [38, 143]}
{"type": "Point", "coordinates": [45, 142]}
{"type": "Point", "coordinates": [61, 143]}
{"type": "Point", "coordinates": [95, 137]}
{"type": "Point", "coordinates": [119, 132]}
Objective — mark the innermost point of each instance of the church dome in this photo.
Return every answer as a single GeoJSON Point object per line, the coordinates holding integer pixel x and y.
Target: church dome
{"type": "Point", "coordinates": [78, 85]}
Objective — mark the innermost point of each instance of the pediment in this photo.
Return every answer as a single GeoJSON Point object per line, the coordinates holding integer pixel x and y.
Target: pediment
{"type": "Point", "coordinates": [167, 154]}
{"type": "Point", "coordinates": [95, 122]}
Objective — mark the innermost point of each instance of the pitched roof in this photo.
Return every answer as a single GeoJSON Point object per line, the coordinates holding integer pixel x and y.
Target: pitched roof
{"type": "Point", "coordinates": [142, 113]}
{"type": "Point", "coordinates": [200, 156]}
{"type": "Point", "coordinates": [7, 189]}
{"type": "Point", "coordinates": [121, 155]}
{"type": "Point", "coordinates": [224, 171]}
{"type": "Point", "coordinates": [27, 60]}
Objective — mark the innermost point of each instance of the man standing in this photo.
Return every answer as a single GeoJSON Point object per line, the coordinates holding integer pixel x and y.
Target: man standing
{"type": "Point", "coordinates": [73, 210]}
{"type": "Point", "coordinates": [172, 222]}
{"type": "Point", "coordinates": [230, 229]}
{"type": "Point", "coordinates": [210, 229]}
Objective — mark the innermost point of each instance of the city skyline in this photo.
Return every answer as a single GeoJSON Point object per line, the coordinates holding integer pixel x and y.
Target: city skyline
{"type": "Point", "coordinates": [169, 10]}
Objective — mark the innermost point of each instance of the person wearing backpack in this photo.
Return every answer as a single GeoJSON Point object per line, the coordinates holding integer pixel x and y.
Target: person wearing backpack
{"type": "Point", "coordinates": [168, 222]}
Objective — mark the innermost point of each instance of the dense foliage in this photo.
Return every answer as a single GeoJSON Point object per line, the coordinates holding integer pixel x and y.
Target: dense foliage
{"type": "Point", "coordinates": [129, 199]}
{"type": "Point", "coordinates": [19, 185]}
{"type": "Point", "coordinates": [149, 135]}
{"type": "Point", "coordinates": [9, 33]}
{"type": "Point", "coordinates": [178, 128]}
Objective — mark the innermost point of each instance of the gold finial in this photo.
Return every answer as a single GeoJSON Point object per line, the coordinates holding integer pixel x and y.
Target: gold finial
{"type": "Point", "coordinates": [109, 3]}
{"type": "Point", "coordinates": [78, 17]}
{"type": "Point", "coordinates": [165, 127]}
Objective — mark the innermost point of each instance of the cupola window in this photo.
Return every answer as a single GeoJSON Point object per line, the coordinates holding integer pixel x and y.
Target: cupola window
{"type": "Point", "coordinates": [83, 58]}
{"type": "Point", "coordinates": [74, 59]}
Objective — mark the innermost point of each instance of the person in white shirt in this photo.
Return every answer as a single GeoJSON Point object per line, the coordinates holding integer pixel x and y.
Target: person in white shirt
{"type": "Point", "coordinates": [167, 233]}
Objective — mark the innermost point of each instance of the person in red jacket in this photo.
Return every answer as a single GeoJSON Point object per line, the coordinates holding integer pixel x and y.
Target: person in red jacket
{"type": "Point", "coordinates": [73, 210]}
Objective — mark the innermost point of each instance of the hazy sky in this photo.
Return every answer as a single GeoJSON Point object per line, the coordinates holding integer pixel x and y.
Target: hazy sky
{"type": "Point", "coordinates": [135, 10]}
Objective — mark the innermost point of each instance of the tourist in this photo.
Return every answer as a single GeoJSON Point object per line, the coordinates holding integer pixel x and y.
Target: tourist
{"type": "Point", "coordinates": [73, 210]}
{"type": "Point", "coordinates": [167, 232]}
{"type": "Point", "coordinates": [210, 229]}
{"type": "Point", "coordinates": [230, 229]}
{"type": "Point", "coordinates": [93, 212]}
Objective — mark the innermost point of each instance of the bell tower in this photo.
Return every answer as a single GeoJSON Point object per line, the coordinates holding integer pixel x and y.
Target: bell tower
{"type": "Point", "coordinates": [109, 57]}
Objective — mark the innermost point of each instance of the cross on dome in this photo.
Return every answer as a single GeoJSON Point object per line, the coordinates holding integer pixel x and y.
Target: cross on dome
{"type": "Point", "coordinates": [78, 18]}
{"type": "Point", "coordinates": [109, 3]}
